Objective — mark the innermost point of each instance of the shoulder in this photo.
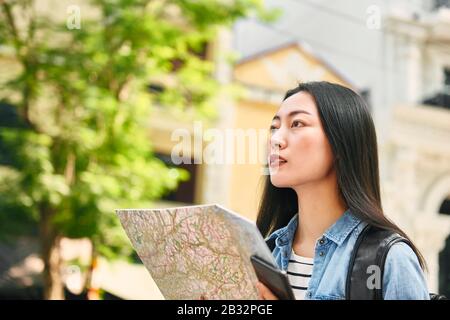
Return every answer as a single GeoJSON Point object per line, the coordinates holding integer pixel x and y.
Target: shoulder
{"type": "Point", "coordinates": [403, 276]}
{"type": "Point", "coordinates": [401, 252]}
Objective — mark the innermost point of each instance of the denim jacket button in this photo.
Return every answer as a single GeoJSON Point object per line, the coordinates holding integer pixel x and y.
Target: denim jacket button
{"type": "Point", "coordinates": [321, 253]}
{"type": "Point", "coordinates": [322, 241]}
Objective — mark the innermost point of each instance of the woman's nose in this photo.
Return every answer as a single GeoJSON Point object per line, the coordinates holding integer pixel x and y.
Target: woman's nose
{"type": "Point", "coordinates": [277, 142]}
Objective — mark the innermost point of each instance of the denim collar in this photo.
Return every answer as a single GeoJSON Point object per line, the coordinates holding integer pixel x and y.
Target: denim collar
{"type": "Point", "coordinates": [284, 235]}
{"type": "Point", "coordinates": [340, 230]}
{"type": "Point", "coordinates": [337, 233]}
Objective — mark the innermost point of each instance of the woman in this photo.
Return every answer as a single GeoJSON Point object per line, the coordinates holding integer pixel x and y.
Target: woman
{"type": "Point", "coordinates": [323, 189]}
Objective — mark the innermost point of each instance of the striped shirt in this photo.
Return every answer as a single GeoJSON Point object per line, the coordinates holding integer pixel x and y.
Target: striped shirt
{"type": "Point", "coordinates": [299, 273]}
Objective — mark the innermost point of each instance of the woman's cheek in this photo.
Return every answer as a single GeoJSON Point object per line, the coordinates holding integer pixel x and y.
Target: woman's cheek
{"type": "Point", "coordinates": [311, 157]}
{"type": "Point", "coordinates": [305, 147]}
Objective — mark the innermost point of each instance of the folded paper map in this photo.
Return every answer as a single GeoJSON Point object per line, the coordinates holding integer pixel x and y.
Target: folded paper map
{"type": "Point", "coordinates": [197, 252]}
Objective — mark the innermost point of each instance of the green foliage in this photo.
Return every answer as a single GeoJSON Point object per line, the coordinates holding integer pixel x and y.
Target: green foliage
{"type": "Point", "coordinates": [82, 96]}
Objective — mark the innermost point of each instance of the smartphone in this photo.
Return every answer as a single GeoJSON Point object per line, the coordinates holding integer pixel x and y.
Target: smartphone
{"type": "Point", "coordinates": [273, 278]}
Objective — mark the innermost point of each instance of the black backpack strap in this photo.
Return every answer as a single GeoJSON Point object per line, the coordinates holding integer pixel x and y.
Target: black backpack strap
{"type": "Point", "coordinates": [371, 249]}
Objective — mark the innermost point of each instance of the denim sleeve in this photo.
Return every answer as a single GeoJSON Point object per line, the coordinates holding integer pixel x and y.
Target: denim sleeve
{"type": "Point", "coordinates": [403, 277]}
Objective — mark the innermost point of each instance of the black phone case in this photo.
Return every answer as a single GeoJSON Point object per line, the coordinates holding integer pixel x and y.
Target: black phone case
{"type": "Point", "coordinates": [272, 278]}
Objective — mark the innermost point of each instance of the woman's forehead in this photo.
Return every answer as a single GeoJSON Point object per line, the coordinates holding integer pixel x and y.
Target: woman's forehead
{"type": "Point", "coordinates": [300, 101]}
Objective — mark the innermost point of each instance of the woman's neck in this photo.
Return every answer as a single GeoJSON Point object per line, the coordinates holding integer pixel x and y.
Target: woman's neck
{"type": "Point", "coordinates": [320, 206]}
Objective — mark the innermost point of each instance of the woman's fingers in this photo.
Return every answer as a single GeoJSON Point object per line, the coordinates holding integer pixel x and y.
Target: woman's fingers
{"type": "Point", "coordinates": [264, 292]}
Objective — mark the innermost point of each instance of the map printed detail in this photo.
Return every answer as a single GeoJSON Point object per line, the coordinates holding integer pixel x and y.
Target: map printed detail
{"type": "Point", "coordinates": [197, 252]}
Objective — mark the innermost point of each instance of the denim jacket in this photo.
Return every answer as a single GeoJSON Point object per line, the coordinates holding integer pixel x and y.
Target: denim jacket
{"type": "Point", "coordinates": [403, 277]}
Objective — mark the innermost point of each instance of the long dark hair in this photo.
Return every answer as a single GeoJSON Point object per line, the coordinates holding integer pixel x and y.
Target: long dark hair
{"type": "Point", "coordinates": [350, 130]}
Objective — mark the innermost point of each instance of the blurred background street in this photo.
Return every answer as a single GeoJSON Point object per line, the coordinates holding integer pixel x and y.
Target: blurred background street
{"type": "Point", "coordinates": [94, 96]}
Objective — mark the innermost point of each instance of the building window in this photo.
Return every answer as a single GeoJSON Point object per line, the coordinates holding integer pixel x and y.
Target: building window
{"type": "Point", "coordinates": [185, 192]}
{"type": "Point", "coordinates": [444, 256]}
{"type": "Point", "coordinates": [365, 94]}
{"type": "Point", "coordinates": [441, 4]}
{"type": "Point", "coordinates": [441, 98]}
{"type": "Point", "coordinates": [447, 78]}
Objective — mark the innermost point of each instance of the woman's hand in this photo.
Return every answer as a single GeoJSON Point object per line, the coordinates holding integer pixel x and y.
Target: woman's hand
{"type": "Point", "coordinates": [264, 292]}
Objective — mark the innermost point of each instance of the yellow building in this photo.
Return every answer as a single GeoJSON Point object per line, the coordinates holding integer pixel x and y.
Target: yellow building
{"type": "Point", "coordinates": [264, 77]}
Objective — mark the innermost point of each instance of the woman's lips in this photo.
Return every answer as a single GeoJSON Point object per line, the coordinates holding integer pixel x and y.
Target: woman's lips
{"type": "Point", "coordinates": [277, 163]}
{"type": "Point", "coordinates": [276, 160]}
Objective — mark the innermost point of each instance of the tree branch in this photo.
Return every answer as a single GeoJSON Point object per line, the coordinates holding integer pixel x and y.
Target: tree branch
{"type": "Point", "coordinates": [24, 59]}
{"type": "Point", "coordinates": [12, 26]}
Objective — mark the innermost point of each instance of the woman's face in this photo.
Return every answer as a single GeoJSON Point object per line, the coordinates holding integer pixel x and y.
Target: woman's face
{"type": "Point", "coordinates": [298, 137]}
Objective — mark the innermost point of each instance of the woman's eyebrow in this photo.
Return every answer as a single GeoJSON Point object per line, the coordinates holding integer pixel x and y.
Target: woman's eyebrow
{"type": "Point", "coordinates": [292, 113]}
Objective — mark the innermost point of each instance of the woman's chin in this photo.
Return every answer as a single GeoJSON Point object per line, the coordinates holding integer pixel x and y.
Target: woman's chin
{"type": "Point", "coordinates": [279, 183]}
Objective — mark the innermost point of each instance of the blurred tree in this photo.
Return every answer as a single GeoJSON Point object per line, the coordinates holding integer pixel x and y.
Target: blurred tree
{"type": "Point", "coordinates": [76, 145]}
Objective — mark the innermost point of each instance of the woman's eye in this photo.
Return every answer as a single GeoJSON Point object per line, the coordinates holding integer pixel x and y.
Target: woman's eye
{"type": "Point", "coordinates": [297, 123]}
{"type": "Point", "coordinates": [272, 128]}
